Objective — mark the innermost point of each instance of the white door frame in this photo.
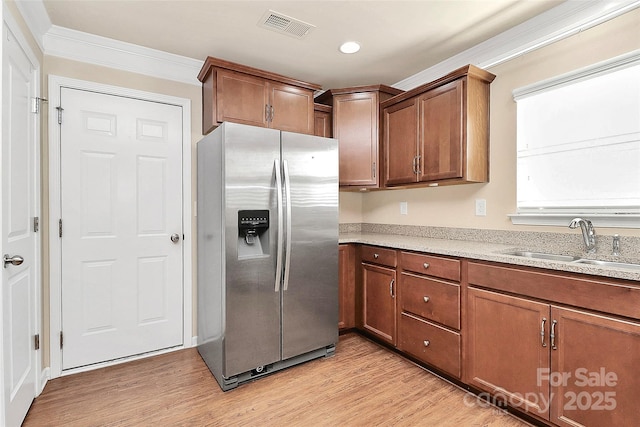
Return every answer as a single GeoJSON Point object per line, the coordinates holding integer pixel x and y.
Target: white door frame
{"type": "Point", "coordinates": [55, 256]}
{"type": "Point", "coordinates": [41, 376]}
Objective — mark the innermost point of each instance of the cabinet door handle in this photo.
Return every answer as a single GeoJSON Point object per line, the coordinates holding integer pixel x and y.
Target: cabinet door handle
{"type": "Point", "coordinates": [418, 157]}
{"type": "Point", "coordinates": [414, 164]}
{"type": "Point", "coordinates": [391, 288]}
{"type": "Point", "coordinates": [553, 335]}
{"type": "Point", "coordinates": [266, 112]}
{"type": "Point", "coordinates": [426, 343]}
{"type": "Point", "coordinates": [544, 320]}
{"type": "Point", "coordinates": [426, 299]}
{"type": "Point", "coordinates": [271, 111]}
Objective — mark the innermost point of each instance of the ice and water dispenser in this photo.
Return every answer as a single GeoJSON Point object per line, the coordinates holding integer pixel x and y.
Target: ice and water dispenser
{"type": "Point", "coordinates": [253, 233]}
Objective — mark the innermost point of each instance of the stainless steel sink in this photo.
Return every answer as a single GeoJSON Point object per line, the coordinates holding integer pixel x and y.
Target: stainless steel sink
{"type": "Point", "coordinates": [608, 263]}
{"type": "Point", "coordinates": [542, 255]}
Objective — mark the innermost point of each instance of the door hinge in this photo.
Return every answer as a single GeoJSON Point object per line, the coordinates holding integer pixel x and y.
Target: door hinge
{"type": "Point", "coordinates": [36, 104]}
{"type": "Point", "coordinates": [60, 110]}
{"type": "Point", "coordinates": [60, 228]}
{"type": "Point", "coordinates": [36, 341]}
{"type": "Point", "coordinates": [61, 340]}
{"type": "Point", "coordinates": [36, 224]}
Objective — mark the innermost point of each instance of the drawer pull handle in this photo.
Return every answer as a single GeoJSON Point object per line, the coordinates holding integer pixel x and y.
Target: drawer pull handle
{"type": "Point", "coordinates": [425, 265]}
{"type": "Point", "coordinates": [376, 256]}
{"type": "Point", "coordinates": [391, 288]}
{"type": "Point", "coordinates": [544, 320]}
{"type": "Point", "coordinates": [426, 343]}
{"type": "Point", "coordinates": [426, 299]}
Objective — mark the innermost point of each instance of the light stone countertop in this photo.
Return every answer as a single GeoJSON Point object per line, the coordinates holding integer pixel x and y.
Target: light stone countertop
{"type": "Point", "coordinates": [481, 251]}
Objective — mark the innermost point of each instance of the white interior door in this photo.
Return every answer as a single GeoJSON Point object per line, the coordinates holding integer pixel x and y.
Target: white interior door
{"type": "Point", "coordinates": [20, 194]}
{"type": "Point", "coordinates": [121, 244]}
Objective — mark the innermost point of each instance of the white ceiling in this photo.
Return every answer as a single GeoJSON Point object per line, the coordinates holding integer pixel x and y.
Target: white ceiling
{"type": "Point", "coordinates": [398, 38]}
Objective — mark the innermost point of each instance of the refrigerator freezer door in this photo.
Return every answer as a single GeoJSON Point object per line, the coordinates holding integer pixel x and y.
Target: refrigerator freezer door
{"type": "Point", "coordinates": [252, 330]}
{"type": "Point", "coordinates": [310, 291]}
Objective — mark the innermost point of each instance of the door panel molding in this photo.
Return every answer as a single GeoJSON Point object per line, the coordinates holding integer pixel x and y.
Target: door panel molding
{"type": "Point", "coordinates": [55, 256]}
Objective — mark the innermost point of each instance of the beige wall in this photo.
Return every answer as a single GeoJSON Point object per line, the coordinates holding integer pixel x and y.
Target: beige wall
{"type": "Point", "coordinates": [454, 206]}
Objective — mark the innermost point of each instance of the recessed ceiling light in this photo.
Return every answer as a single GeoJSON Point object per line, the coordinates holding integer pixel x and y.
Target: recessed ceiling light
{"type": "Point", "coordinates": [349, 47]}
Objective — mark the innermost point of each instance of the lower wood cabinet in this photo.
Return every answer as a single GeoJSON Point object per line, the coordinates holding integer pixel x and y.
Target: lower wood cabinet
{"type": "Point", "coordinates": [563, 348]}
{"type": "Point", "coordinates": [506, 350]}
{"type": "Point", "coordinates": [379, 304]}
{"type": "Point", "coordinates": [570, 367]}
{"type": "Point", "coordinates": [595, 370]}
{"type": "Point", "coordinates": [346, 287]}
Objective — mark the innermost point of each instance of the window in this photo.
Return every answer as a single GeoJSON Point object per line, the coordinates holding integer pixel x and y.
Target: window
{"type": "Point", "coordinates": [578, 146]}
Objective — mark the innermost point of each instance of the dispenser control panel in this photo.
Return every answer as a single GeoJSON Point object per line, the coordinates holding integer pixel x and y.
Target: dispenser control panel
{"type": "Point", "coordinates": [253, 219]}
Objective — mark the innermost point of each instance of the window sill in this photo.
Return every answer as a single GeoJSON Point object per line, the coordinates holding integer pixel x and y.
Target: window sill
{"type": "Point", "coordinates": [563, 219]}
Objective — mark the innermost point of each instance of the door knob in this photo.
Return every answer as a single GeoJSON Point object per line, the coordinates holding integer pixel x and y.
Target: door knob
{"type": "Point", "coordinates": [13, 260]}
{"type": "Point", "coordinates": [175, 237]}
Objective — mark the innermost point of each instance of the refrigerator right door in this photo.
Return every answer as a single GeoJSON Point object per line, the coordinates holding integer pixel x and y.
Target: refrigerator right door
{"type": "Point", "coordinates": [310, 289]}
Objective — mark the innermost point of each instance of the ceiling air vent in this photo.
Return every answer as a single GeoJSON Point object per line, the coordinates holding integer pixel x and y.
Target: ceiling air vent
{"type": "Point", "coordinates": [285, 24]}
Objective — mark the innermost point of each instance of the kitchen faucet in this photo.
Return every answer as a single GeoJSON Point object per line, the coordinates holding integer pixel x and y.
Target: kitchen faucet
{"type": "Point", "coordinates": [588, 233]}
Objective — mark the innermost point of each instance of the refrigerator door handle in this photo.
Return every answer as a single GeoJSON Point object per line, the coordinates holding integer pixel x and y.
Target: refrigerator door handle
{"type": "Point", "coordinates": [287, 192]}
{"type": "Point", "coordinates": [276, 166]}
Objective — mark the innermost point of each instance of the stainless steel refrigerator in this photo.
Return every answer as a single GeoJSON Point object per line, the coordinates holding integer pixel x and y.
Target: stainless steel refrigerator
{"type": "Point", "coordinates": [267, 250]}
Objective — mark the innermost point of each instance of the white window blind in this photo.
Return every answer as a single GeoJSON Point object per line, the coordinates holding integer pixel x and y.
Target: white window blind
{"type": "Point", "coordinates": [578, 143]}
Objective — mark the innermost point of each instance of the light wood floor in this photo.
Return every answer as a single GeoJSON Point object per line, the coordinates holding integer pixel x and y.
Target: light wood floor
{"type": "Point", "coordinates": [364, 384]}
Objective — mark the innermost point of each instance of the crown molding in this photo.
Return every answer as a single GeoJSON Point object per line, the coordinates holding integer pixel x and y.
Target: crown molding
{"type": "Point", "coordinates": [97, 50]}
{"type": "Point", "coordinates": [553, 25]}
{"type": "Point", "coordinates": [106, 52]}
{"type": "Point", "coordinates": [36, 17]}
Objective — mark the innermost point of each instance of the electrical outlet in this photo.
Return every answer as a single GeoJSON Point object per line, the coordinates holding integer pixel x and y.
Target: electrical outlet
{"type": "Point", "coordinates": [481, 207]}
{"type": "Point", "coordinates": [403, 208]}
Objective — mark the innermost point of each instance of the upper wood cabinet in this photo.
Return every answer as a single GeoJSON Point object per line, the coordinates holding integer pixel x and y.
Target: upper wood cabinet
{"type": "Point", "coordinates": [356, 118]}
{"type": "Point", "coordinates": [237, 93]}
{"type": "Point", "coordinates": [438, 133]}
{"type": "Point", "coordinates": [323, 123]}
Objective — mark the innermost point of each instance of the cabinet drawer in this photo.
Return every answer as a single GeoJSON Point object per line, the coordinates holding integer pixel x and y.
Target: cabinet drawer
{"type": "Point", "coordinates": [445, 268]}
{"type": "Point", "coordinates": [430, 343]}
{"type": "Point", "coordinates": [378, 255]}
{"type": "Point", "coordinates": [431, 298]}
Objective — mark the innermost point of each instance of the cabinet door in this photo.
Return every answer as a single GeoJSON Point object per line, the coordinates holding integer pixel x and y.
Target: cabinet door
{"type": "Point", "coordinates": [241, 99]}
{"type": "Point", "coordinates": [401, 142]}
{"type": "Point", "coordinates": [441, 132]}
{"type": "Point", "coordinates": [379, 305]}
{"type": "Point", "coordinates": [292, 108]}
{"type": "Point", "coordinates": [506, 350]}
{"type": "Point", "coordinates": [346, 287]}
{"type": "Point", "coordinates": [356, 128]}
{"type": "Point", "coordinates": [595, 364]}
{"type": "Point", "coordinates": [322, 125]}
